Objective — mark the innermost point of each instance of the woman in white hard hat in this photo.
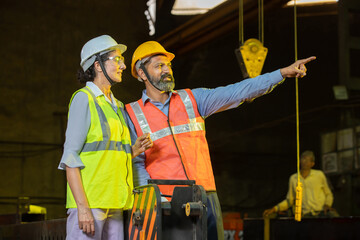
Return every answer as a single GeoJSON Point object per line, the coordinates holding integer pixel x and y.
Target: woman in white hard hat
{"type": "Point", "coordinates": [98, 151]}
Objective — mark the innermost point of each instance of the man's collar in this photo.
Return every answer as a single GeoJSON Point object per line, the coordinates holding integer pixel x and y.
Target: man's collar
{"type": "Point", "coordinates": [146, 98]}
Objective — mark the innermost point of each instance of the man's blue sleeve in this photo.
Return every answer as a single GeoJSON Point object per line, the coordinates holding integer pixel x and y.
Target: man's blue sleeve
{"type": "Point", "coordinates": [219, 99]}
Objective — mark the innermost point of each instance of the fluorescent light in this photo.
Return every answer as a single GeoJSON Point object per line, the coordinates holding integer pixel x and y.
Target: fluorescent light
{"type": "Point", "coordinates": [150, 14]}
{"type": "Point", "coordinates": [193, 7]}
{"type": "Point", "coordinates": [310, 2]}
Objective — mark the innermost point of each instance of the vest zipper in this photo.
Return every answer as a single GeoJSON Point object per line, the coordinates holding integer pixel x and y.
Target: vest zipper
{"type": "Point", "coordinates": [124, 117]}
{"type": "Point", "coordinates": [127, 171]}
{"type": "Point", "coordinates": [177, 148]}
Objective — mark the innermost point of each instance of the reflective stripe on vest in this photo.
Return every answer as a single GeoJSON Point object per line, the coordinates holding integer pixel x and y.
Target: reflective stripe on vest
{"type": "Point", "coordinates": [105, 144]}
{"type": "Point", "coordinates": [192, 126]}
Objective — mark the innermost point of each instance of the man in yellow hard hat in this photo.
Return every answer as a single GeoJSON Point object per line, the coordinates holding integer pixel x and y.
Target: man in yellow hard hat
{"type": "Point", "coordinates": [175, 121]}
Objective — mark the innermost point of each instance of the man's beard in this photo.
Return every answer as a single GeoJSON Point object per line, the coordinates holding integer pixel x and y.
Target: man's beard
{"type": "Point", "coordinates": [166, 86]}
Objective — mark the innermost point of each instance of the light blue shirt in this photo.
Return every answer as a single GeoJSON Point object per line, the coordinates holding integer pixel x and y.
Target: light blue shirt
{"type": "Point", "coordinates": [78, 126]}
{"type": "Point", "coordinates": [209, 101]}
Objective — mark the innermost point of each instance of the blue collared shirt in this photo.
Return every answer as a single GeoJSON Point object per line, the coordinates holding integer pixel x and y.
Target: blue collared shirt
{"type": "Point", "coordinates": [209, 101]}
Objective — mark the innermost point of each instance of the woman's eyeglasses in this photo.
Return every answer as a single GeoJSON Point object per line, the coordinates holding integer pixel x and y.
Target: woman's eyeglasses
{"type": "Point", "coordinates": [118, 59]}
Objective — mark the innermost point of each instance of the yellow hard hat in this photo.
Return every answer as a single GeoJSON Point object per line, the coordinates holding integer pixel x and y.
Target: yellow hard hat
{"type": "Point", "coordinates": [148, 49]}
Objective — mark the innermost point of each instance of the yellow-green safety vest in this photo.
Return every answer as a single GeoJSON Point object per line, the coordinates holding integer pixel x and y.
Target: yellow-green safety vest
{"type": "Point", "coordinates": [107, 175]}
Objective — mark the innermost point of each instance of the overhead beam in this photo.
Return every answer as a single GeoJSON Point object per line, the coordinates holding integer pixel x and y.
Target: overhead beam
{"type": "Point", "coordinates": [213, 24]}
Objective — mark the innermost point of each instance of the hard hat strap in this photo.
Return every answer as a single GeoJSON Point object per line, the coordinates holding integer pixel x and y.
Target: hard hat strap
{"type": "Point", "coordinates": [142, 66]}
{"type": "Point", "coordinates": [104, 70]}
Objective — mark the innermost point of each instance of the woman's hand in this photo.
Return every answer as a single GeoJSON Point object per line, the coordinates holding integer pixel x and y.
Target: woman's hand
{"type": "Point", "coordinates": [86, 220]}
{"type": "Point", "coordinates": [85, 216]}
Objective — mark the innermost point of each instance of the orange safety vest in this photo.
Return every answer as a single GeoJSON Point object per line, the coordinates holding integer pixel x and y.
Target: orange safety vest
{"type": "Point", "coordinates": [180, 148]}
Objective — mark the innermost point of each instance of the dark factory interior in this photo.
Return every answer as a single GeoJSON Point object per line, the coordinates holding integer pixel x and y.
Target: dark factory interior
{"type": "Point", "coordinates": [253, 147]}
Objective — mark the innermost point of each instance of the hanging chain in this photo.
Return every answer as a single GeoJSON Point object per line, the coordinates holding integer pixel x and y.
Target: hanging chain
{"type": "Point", "coordinates": [241, 22]}
{"type": "Point", "coordinates": [261, 20]}
{"type": "Point", "coordinates": [299, 189]}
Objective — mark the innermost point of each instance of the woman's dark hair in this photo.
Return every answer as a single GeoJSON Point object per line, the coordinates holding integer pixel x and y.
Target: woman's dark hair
{"type": "Point", "coordinates": [90, 74]}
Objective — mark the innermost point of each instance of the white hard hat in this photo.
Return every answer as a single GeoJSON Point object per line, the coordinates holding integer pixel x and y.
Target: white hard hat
{"type": "Point", "coordinates": [101, 44]}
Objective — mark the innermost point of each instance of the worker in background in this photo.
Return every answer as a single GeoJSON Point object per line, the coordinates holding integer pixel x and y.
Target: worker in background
{"type": "Point", "coordinates": [98, 151]}
{"type": "Point", "coordinates": [317, 197]}
{"type": "Point", "coordinates": [175, 121]}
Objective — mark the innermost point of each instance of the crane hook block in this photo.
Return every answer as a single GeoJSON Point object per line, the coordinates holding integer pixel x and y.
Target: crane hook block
{"type": "Point", "coordinates": [253, 56]}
